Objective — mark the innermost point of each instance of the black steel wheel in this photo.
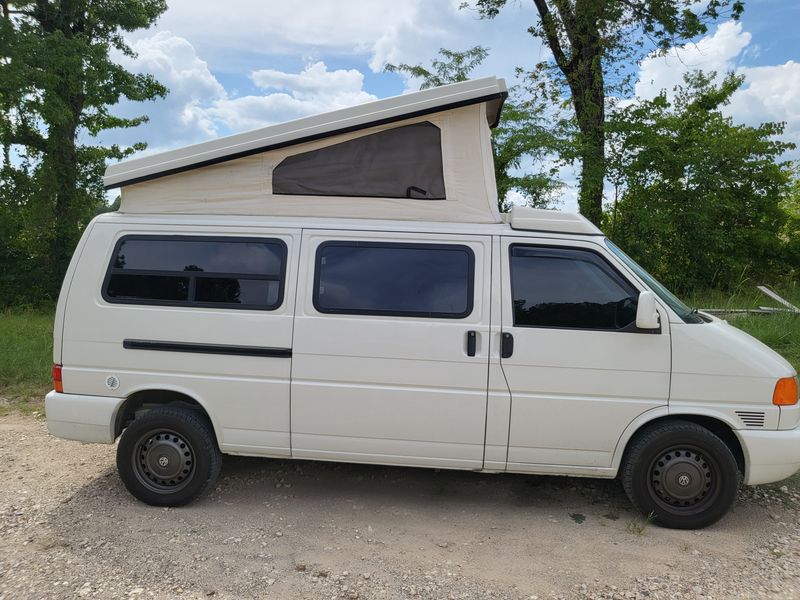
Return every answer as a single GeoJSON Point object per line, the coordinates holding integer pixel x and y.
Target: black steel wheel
{"type": "Point", "coordinates": [681, 474]}
{"type": "Point", "coordinates": [163, 461]}
{"type": "Point", "coordinates": [168, 456]}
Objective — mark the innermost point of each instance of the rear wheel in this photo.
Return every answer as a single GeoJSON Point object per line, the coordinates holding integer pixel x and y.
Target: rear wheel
{"type": "Point", "coordinates": [168, 456]}
{"type": "Point", "coordinates": [681, 474]}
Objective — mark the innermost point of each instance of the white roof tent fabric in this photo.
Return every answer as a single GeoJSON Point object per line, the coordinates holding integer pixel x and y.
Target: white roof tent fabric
{"type": "Point", "coordinates": [420, 156]}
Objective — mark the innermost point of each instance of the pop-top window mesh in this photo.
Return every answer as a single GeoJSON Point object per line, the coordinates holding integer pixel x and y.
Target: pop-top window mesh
{"type": "Point", "coordinates": [404, 162]}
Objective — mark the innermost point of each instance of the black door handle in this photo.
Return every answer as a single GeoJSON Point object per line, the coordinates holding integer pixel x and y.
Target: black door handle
{"type": "Point", "coordinates": [471, 339]}
{"type": "Point", "coordinates": [507, 346]}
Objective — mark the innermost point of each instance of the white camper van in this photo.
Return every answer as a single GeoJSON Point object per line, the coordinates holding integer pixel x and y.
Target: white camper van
{"type": "Point", "coordinates": [343, 288]}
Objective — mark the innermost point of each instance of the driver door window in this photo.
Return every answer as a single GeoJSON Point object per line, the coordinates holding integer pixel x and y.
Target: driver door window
{"type": "Point", "coordinates": [568, 288]}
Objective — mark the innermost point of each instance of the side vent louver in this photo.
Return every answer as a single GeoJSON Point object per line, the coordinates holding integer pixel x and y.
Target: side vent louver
{"type": "Point", "coordinates": [751, 418]}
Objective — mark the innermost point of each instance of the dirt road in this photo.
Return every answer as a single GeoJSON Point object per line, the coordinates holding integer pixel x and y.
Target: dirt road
{"type": "Point", "coordinates": [280, 529]}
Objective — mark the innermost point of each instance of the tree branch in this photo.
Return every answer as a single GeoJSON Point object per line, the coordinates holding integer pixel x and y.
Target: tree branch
{"type": "Point", "coordinates": [568, 18]}
{"type": "Point", "coordinates": [551, 33]}
{"type": "Point", "coordinates": [25, 135]}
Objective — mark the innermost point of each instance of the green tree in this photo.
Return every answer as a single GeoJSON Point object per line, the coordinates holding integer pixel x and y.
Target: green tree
{"type": "Point", "coordinates": [57, 84]}
{"type": "Point", "coordinates": [701, 197]}
{"type": "Point", "coordinates": [522, 135]}
{"type": "Point", "coordinates": [791, 231]}
{"type": "Point", "coordinates": [449, 67]}
{"type": "Point", "coordinates": [593, 43]}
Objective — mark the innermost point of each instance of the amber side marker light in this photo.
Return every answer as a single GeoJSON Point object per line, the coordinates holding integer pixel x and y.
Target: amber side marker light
{"type": "Point", "coordinates": [785, 392]}
{"type": "Point", "coordinates": [58, 385]}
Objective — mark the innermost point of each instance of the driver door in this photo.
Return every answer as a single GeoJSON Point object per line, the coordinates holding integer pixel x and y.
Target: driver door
{"type": "Point", "coordinates": [579, 372]}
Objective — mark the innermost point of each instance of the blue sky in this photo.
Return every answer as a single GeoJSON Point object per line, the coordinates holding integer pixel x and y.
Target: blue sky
{"type": "Point", "coordinates": [248, 63]}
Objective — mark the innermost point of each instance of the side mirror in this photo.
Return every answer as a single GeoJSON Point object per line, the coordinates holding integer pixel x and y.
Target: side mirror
{"type": "Point", "coordinates": [646, 313]}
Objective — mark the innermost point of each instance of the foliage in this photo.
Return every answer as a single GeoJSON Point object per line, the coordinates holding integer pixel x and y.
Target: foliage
{"type": "Point", "coordinates": [791, 231]}
{"type": "Point", "coordinates": [57, 82]}
{"type": "Point", "coordinates": [450, 67]}
{"type": "Point", "coordinates": [700, 201]}
{"type": "Point", "coordinates": [593, 44]}
{"type": "Point", "coordinates": [26, 356]}
{"type": "Point", "coordinates": [522, 135]}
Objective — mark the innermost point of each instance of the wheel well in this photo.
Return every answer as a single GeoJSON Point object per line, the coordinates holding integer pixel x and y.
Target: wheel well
{"type": "Point", "coordinates": [144, 400]}
{"type": "Point", "coordinates": [719, 428]}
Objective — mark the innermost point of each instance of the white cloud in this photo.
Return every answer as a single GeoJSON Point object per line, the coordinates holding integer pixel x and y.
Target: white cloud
{"type": "Point", "coordinates": [198, 107]}
{"type": "Point", "coordinates": [712, 53]}
{"type": "Point", "coordinates": [418, 37]}
{"type": "Point", "coordinates": [315, 28]}
{"type": "Point", "coordinates": [312, 81]}
{"type": "Point", "coordinates": [174, 59]}
{"type": "Point", "coordinates": [769, 93]}
{"type": "Point", "coordinates": [176, 119]}
{"type": "Point", "coordinates": [313, 90]}
{"type": "Point", "coordinates": [236, 39]}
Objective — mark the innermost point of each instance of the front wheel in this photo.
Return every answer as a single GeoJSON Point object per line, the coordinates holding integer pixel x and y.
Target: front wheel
{"type": "Point", "coordinates": [681, 474]}
{"type": "Point", "coordinates": [168, 456]}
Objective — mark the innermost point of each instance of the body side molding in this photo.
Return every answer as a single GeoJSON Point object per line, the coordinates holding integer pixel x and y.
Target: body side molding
{"type": "Point", "coordinates": [167, 346]}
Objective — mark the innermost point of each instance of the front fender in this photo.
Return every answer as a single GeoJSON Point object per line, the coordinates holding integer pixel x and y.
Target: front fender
{"type": "Point", "coordinates": [634, 426]}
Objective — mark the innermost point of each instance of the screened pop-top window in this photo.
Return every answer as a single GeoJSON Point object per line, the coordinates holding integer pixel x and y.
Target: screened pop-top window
{"type": "Point", "coordinates": [197, 271]}
{"type": "Point", "coordinates": [567, 287]}
{"type": "Point", "coordinates": [394, 279]}
{"type": "Point", "coordinates": [404, 162]}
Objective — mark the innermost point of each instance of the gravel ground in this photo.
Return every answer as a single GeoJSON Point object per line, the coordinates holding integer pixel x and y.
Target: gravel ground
{"type": "Point", "coordinates": [281, 529]}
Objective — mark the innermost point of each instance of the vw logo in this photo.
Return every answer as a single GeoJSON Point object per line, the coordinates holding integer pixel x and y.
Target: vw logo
{"type": "Point", "coordinates": [684, 480]}
{"type": "Point", "coordinates": [163, 461]}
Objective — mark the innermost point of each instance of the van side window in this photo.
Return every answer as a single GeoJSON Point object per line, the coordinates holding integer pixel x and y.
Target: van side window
{"type": "Point", "coordinates": [568, 287]}
{"type": "Point", "coordinates": [219, 272]}
{"type": "Point", "coordinates": [403, 162]}
{"type": "Point", "coordinates": [394, 279]}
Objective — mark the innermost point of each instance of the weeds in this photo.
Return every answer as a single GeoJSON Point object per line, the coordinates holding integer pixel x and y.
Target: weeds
{"type": "Point", "coordinates": [638, 525]}
{"type": "Point", "coordinates": [577, 517]}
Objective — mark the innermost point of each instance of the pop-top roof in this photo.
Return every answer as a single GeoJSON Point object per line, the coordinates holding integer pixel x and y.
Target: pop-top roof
{"type": "Point", "coordinates": [489, 90]}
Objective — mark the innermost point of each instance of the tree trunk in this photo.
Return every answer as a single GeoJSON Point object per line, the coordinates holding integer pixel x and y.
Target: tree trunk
{"type": "Point", "coordinates": [578, 54]}
{"type": "Point", "coordinates": [60, 171]}
{"type": "Point", "coordinates": [588, 97]}
{"type": "Point", "coordinates": [60, 166]}
{"type": "Point", "coordinates": [593, 164]}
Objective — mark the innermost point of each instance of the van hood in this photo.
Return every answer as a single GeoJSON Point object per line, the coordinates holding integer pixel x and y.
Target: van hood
{"type": "Point", "coordinates": [719, 348]}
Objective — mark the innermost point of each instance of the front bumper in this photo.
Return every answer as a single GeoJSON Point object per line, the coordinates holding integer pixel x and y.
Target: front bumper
{"type": "Point", "coordinates": [769, 455]}
{"type": "Point", "coordinates": [82, 418]}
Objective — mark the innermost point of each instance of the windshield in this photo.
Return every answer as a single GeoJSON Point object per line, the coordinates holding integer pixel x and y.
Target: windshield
{"type": "Point", "coordinates": [683, 311]}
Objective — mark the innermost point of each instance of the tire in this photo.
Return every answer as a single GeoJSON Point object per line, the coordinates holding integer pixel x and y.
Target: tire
{"type": "Point", "coordinates": [168, 456]}
{"type": "Point", "coordinates": [681, 475]}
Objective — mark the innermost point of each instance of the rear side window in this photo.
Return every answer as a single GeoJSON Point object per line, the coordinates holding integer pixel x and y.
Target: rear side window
{"type": "Point", "coordinates": [570, 288]}
{"type": "Point", "coordinates": [394, 279]}
{"type": "Point", "coordinates": [404, 162]}
{"type": "Point", "coordinates": [197, 271]}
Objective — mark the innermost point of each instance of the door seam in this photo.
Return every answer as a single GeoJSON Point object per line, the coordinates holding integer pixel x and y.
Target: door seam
{"type": "Point", "coordinates": [294, 319]}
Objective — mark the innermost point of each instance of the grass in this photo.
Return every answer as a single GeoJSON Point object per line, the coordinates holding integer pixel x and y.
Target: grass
{"type": "Point", "coordinates": [26, 358]}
